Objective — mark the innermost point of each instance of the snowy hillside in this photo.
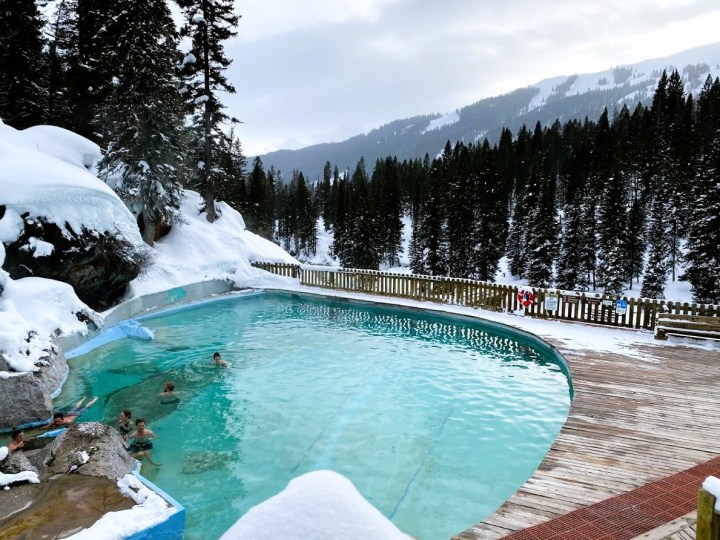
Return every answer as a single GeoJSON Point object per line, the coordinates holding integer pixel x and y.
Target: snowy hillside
{"type": "Point", "coordinates": [694, 65]}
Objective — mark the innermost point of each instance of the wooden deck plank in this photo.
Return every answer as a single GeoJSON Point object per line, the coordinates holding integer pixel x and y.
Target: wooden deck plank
{"type": "Point", "coordinates": [631, 422]}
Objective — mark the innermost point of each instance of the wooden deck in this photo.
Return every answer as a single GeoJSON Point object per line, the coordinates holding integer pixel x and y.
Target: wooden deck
{"type": "Point", "coordinates": [632, 422]}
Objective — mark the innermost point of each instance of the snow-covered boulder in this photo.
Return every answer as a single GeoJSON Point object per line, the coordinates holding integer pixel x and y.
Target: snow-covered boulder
{"type": "Point", "coordinates": [87, 448]}
{"type": "Point", "coordinates": [26, 396]}
{"type": "Point", "coordinates": [59, 221]}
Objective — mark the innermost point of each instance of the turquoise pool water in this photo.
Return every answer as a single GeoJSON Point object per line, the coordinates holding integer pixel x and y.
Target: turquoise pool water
{"type": "Point", "coordinates": [437, 421]}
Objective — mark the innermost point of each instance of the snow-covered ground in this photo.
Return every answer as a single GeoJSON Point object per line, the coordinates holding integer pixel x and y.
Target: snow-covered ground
{"type": "Point", "coordinates": [318, 505]}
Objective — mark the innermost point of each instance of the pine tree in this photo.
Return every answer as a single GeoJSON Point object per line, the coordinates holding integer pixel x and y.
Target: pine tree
{"type": "Point", "coordinates": [387, 200]}
{"type": "Point", "coordinates": [611, 268]}
{"type": "Point", "coordinates": [523, 200]}
{"type": "Point", "coordinates": [62, 51]}
{"type": "Point", "coordinates": [23, 69]}
{"type": "Point", "coordinates": [542, 229]}
{"type": "Point", "coordinates": [231, 161]}
{"type": "Point", "coordinates": [657, 267]}
{"type": "Point", "coordinates": [569, 268]}
{"type": "Point", "coordinates": [490, 219]}
{"type": "Point", "coordinates": [144, 160]}
{"type": "Point", "coordinates": [703, 247]}
{"type": "Point", "coordinates": [208, 24]}
{"type": "Point", "coordinates": [259, 204]}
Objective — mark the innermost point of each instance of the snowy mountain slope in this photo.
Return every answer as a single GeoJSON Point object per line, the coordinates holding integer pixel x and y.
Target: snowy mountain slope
{"type": "Point", "coordinates": [563, 97]}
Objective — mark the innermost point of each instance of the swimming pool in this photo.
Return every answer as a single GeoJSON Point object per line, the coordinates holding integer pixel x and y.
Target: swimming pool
{"type": "Point", "coordinates": [436, 420]}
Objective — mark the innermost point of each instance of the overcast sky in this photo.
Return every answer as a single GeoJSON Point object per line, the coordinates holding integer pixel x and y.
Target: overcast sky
{"type": "Point", "coordinates": [325, 70]}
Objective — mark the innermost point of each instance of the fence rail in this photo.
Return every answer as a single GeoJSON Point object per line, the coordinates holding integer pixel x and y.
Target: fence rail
{"type": "Point", "coordinates": [547, 303]}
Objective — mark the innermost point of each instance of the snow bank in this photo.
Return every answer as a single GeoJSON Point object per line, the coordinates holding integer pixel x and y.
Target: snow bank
{"type": "Point", "coordinates": [43, 171]}
{"type": "Point", "coordinates": [197, 250]}
{"type": "Point", "coordinates": [150, 510]}
{"type": "Point", "coordinates": [41, 307]}
{"type": "Point", "coordinates": [315, 506]}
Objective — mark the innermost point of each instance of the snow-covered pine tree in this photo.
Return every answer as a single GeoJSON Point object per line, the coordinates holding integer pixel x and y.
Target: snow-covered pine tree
{"type": "Point", "coordinates": [23, 64]}
{"type": "Point", "coordinates": [145, 157]}
{"type": "Point", "coordinates": [387, 197]}
{"type": "Point", "coordinates": [703, 246]}
{"type": "Point", "coordinates": [613, 220]}
{"type": "Point", "coordinates": [542, 229]}
{"type": "Point", "coordinates": [490, 221]}
{"type": "Point", "coordinates": [517, 235]}
{"type": "Point", "coordinates": [305, 216]}
{"type": "Point", "coordinates": [656, 270]}
{"type": "Point", "coordinates": [208, 23]}
{"type": "Point", "coordinates": [86, 55]}
{"type": "Point", "coordinates": [707, 114]}
{"type": "Point", "coordinates": [461, 180]}
{"type": "Point", "coordinates": [62, 51]}
{"type": "Point", "coordinates": [569, 261]}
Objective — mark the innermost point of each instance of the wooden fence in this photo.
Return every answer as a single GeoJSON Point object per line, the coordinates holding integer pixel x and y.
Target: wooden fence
{"type": "Point", "coordinates": [547, 303]}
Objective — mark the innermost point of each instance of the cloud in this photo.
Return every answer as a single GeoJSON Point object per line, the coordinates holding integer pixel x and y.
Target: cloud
{"type": "Point", "coordinates": [324, 70]}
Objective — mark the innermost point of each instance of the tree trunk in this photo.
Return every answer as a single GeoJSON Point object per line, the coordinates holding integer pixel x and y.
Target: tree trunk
{"type": "Point", "coordinates": [209, 189]}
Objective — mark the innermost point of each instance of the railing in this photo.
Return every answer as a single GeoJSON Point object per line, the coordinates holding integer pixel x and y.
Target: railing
{"type": "Point", "coordinates": [547, 303]}
{"type": "Point", "coordinates": [281, 269]}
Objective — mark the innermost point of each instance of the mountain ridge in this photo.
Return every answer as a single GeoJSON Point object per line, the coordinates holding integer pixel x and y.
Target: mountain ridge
{"type": "Point", "coordinates": [562, 97]}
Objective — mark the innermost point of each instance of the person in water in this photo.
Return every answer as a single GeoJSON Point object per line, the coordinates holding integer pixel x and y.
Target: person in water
{"type": "Point", "coordinates": [142, 444]}
{"type": "Point", "coordinates": [125, 424]}
{"type": "Point", "coordinates": [18, 440]}
{"type": "Point", "coordinates": [61, 419]}
{"type": "Point", "coordinates": [169, 395]}
{"type": "Point", "coordinates": [219, 361]}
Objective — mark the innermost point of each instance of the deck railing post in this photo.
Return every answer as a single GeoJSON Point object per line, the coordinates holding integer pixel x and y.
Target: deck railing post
{"type": "Point", "coordinates": [708, 521]}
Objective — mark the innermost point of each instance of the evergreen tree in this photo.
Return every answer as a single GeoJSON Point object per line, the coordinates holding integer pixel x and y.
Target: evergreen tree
{"type": "Point", "coordinates": [523, 201]}
{"type": "Point", "coordinates": [23, 69]}
{"type": "Point", "coordinates": [703, 247]}
{"type": "Point", "coordinates": [611, 268]}
{"type": "Point", "coordinates": [62, 51]}
{"type": "Point", "coordinates": [208, 23]}
{"type": "Point", "coordinates": [491, 214]}
{"type": "Point", "coordinates": [259, 204]}
{"type": "Point", "coordinates": [542, 229]}
{"type": "Point", "coordinates": [231, 162]}
{"type": "Point", "coordinates": [387, 199]}
{"type": "Point", "coordinates": [570, 275]}
{"type": "Point", "coordinates": [306, 218]}
{"type": "Point", "coordinates": [656, 271]}
{"type": "Point", "coordinates": [144, 160]}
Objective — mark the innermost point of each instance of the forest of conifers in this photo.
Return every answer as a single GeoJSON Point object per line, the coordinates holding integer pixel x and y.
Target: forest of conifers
{"type": "Point", "coordinates": [592, 204]}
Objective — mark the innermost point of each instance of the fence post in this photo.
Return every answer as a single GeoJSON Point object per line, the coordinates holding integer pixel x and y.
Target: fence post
{"type": "Point", "coordinates": [708, 522]}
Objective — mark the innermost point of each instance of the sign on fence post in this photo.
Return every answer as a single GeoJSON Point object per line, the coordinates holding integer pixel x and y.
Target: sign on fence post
{"type": "Point", "coordinates": [552, 302]}
{"type": "Point", "coordinates": [621, 306]}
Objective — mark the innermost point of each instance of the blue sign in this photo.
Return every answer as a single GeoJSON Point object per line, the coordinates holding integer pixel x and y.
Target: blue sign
{"type": "Point", "coordinates": [621, 307]}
